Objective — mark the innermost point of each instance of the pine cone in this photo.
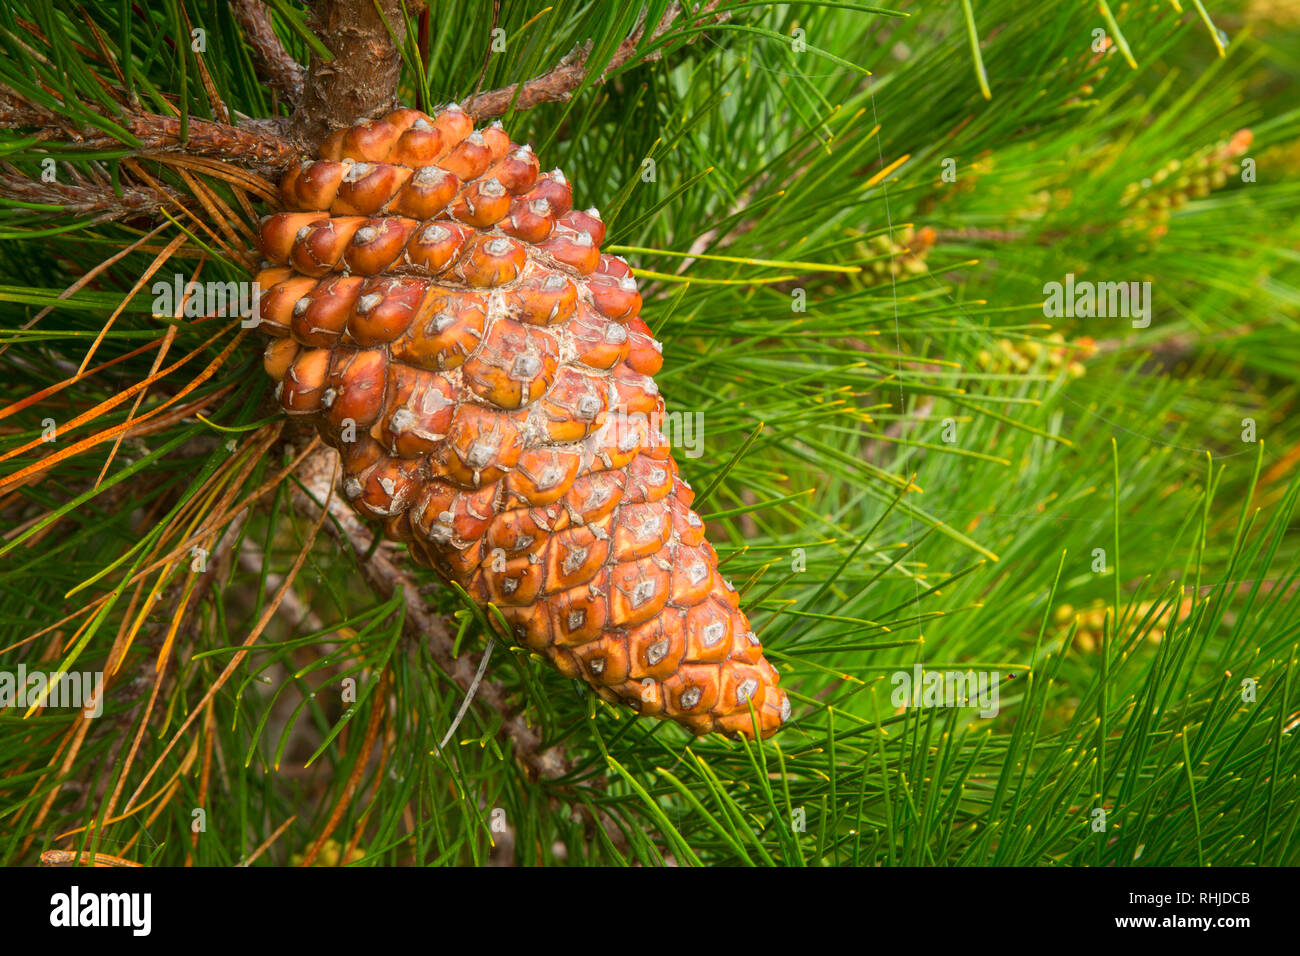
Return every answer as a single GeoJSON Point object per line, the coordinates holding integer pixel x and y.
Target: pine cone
{"type": "Point", "coordinates": [446, 319]}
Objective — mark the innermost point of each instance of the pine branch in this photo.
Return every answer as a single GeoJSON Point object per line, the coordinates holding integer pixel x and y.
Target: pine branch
{"type": "Point", "coordinates": [96, 202]}
{"type": "Point", "coordinates": [281, 71]}
{"type": "Point", "coordinates": [558, 84]}
{"type": "Point", "coordinates": [361, 78]}
{"type": "Point", "coordinates": [252, 143]}
{"type": "Point", "coordinates": [316, 474]}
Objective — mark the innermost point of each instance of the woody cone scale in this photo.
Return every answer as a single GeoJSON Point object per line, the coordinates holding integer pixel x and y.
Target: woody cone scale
{"type": "Point", "coordinates": [447, 321]}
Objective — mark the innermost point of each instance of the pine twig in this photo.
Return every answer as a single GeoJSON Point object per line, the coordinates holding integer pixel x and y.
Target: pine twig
{"type": "Point", "coordinates": [281, 72]}
{"type": "Point", "coordinates": [557, 85]}
{"type": "Point", "coordinates": [365, 39]}
{"type": "Point", "coordinates": [98, 202]}
{"type": "Point", "coordinates": [316, 474]}
{"type": "Point", "coordinates": [252, 143]}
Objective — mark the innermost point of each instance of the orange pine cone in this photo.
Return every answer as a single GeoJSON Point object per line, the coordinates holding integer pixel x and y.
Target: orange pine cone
{"type": "Point", "coordinates": [446, 319]}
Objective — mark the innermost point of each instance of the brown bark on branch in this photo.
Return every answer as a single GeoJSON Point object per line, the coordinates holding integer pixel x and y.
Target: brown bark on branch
{"type": "Point", "coordinates": [567, 76]}
{"type": "Point", "coordinates": [281, 72]}
{"type": "Point", "coordinates": [255, 144]}
{"type": "Point", "coordinates": [558, 84]}
{"type": "Point", "coordinates": [316, 474]}
{"type": "Point", "coordinates": [361, 79]}
{"type": "Point", "coordinates": [87, 199]}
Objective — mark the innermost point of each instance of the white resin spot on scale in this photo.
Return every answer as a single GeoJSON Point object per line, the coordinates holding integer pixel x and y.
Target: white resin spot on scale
{"type": "Point", "coordinates": [357, 171]}
{"type": "Point", "coordinates": [526, 368]}
{"type": "Point", "coordinates": [435, 233]}
{"type": "Point", "coordinates": [550, 477]}
{"type": "Point", "coordinates": [746, 691]}
{"type": "Point", "coordinates": [434, 401]}
{"type": "Point", "coordinates": [573, 559]}
{"type": "Point", "coordinates": [643, 592]}
{"type": "Point", "coordinates": [481, 453]}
